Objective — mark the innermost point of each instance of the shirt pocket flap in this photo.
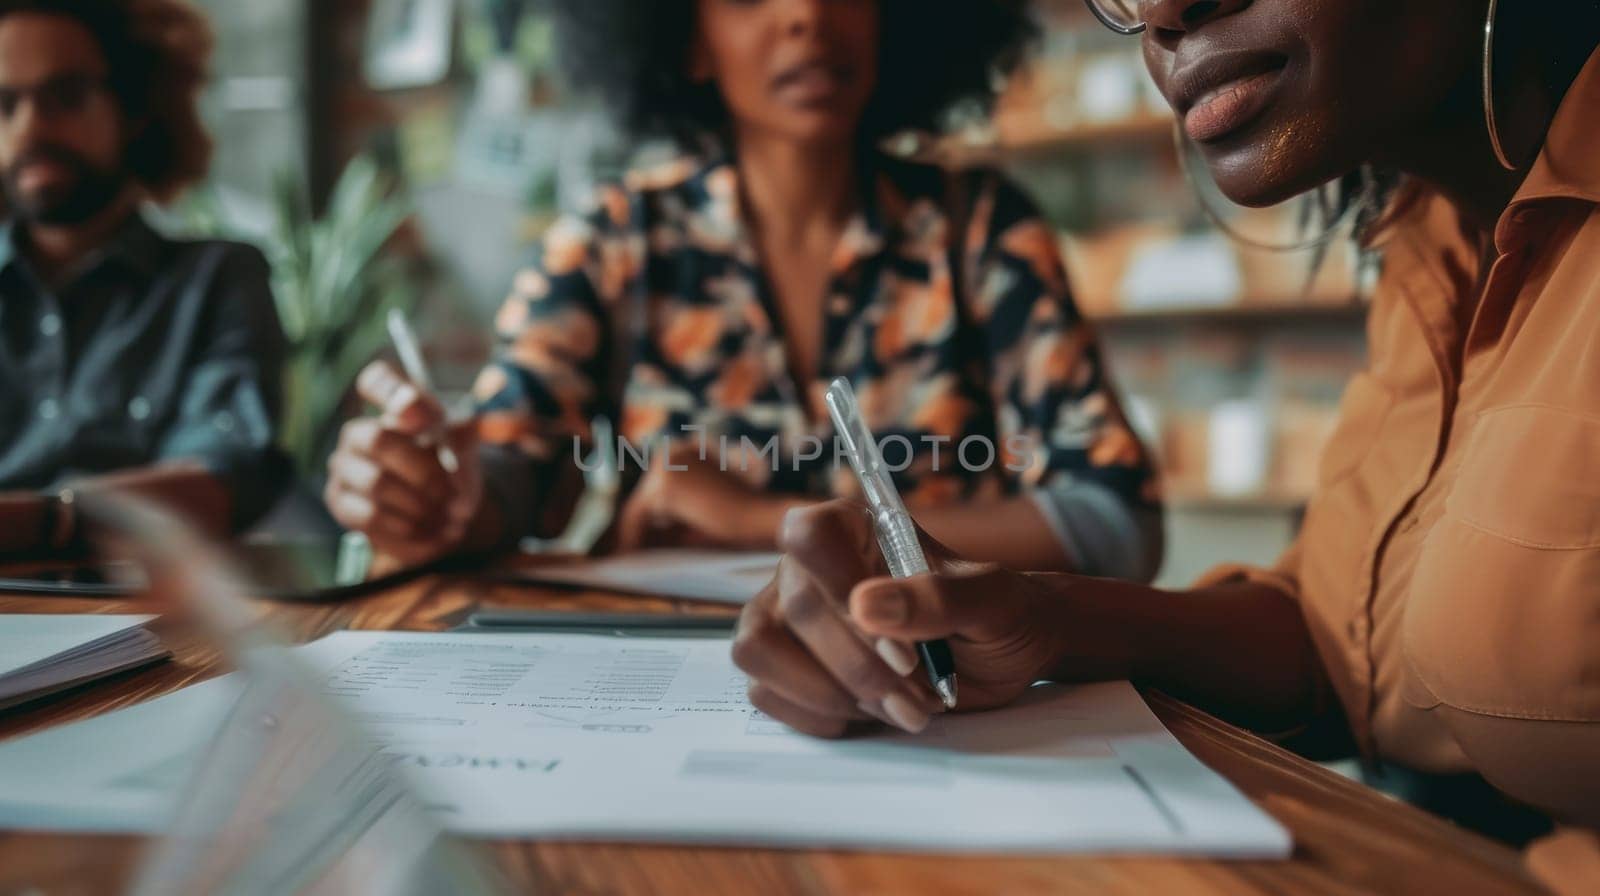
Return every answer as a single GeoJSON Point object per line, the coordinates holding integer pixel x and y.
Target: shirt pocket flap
{"type": "Point", "coordinates": [1503, 612]}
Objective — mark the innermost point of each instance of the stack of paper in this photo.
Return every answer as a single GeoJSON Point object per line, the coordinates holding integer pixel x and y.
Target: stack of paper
{"type": "Point", "coordinates": [613, 738]}
{"type": "Point", "coordinates": [40, 655]}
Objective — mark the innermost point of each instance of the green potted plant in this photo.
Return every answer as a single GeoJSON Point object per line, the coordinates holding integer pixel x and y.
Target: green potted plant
{"type": "Point", "coordinates": [334, 284]}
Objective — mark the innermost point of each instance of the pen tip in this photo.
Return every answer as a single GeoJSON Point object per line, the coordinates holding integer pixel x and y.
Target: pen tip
{"type": "Point", "coordinates": [947, 691]}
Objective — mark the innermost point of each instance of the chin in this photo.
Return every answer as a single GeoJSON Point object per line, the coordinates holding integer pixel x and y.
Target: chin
{"type": "Point", "coordinates": [819, 125]}
{"type": "Point", "coordinates": [1277, 161]}
{"type": "Point", "coordinates": [1251, 192]}
{"type": "Point", "coordinates": [1263, 179]}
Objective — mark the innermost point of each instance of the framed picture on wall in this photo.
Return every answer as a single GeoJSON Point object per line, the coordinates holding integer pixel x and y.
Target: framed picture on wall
{"type": "Point", "coordinates": [409, 43]}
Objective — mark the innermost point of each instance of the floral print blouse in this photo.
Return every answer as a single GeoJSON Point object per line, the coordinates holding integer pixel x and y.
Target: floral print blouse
{"type": "Point", "coordinates": [657, 300]}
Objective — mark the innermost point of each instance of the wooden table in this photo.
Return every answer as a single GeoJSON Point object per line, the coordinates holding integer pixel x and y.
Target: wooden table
{"type": "Point", "coordinates": [1349, 839]}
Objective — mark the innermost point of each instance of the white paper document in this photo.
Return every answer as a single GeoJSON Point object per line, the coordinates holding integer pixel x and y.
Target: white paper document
{"type": "Point", "coordinates": [559, 736]}
{"type": "Point", "coordinates": [720, 576]}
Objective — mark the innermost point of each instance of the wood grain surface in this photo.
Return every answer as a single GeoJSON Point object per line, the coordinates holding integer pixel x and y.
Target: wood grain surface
{"type": "Point", "coordinates": [1349, 838]}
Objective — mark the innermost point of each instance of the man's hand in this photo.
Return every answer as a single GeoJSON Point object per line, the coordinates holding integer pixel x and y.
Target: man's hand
{"type": "Point", "coordinates": [829, 642]}
{"type": "Point", "coordinates": [386, 481]}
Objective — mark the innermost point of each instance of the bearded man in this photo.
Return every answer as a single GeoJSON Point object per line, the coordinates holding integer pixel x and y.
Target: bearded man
{"type": "Point", "coordinates": [127, 360]}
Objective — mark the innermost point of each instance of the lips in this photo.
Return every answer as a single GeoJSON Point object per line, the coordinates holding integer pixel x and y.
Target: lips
{"type": "Point", "coordinates": [1220, 95]}
{"type": "Point", "coordinates": [45, 161]}
{"type": "Point", "coordinates": [813, 80]}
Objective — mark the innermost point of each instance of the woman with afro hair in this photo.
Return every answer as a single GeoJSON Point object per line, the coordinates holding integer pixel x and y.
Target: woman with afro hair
{"type": "Point", "coordinates": [704, 306]}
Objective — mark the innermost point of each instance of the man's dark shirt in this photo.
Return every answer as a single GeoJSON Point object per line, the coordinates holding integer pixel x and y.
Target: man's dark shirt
{"type": "Point", "coordinates": [152, 350]}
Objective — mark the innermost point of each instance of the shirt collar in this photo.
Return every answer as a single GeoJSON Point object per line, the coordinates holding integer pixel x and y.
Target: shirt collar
{"type": "Point", "coordinates": [135, 244]}
{"type": "Point", "coordinates": [872, 229]}
{"type": "Point", "coordinates": [1425, 256]}
{"type": "Point", "coordinates": [1568, 167]}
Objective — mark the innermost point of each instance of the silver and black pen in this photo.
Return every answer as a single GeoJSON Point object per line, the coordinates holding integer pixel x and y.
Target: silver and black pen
{"type": "Point", "coordinates": [405, 345]}
{"type": "Point", "coordinates": [897, 534]}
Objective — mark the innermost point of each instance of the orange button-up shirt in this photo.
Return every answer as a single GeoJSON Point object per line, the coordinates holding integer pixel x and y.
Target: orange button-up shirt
{"type": "Point", "coordinates": [1449, 566]}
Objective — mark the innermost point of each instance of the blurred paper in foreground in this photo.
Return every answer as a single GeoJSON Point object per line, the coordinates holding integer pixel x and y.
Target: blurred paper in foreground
{"type": "Point", "coordinates": [290, 796]}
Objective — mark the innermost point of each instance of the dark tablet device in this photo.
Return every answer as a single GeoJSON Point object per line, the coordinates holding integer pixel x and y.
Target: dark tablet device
{"type": "Point", "coordinates": [275, 570]}
{"type": "Point", "coordinates": [667, 625]}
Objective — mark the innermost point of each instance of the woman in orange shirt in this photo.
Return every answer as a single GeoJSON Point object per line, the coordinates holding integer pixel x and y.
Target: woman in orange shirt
{"type": "Point", "coordinates": [1442, 604]}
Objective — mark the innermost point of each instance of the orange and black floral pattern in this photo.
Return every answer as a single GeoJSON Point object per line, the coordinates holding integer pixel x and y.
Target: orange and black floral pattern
{"type": "Point", "coordinates": [665, 271]}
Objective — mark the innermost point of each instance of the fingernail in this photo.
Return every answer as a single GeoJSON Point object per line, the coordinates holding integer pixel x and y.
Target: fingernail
{"type": "Point", "coordinates": [905, 714]}
{"type": "Point", "coordinates": [885, 606]}
{"type": "Point", "coordinates": [874, 711]}
{"type": "Point", "coordinates": [899, 657]}
{"type": "Point", "coordinates": [403, 397]}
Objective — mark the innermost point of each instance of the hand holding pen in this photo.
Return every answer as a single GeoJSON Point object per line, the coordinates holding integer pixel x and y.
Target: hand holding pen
{"type": "Point", "coordinates": [826, 643]}
{"type": "Point", "coordinates": [408, 479]}
{"type": "Point", "coordinates": [811, 641]}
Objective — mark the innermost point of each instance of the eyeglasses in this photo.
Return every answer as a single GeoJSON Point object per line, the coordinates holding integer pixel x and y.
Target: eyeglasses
{"type": "Point", "coordinates": [1121, 16]}
{"type": "Point", "coordinates": [61, 96]}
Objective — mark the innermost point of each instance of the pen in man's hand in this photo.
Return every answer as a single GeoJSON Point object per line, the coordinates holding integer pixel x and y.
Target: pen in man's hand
{"type": "Point", "coordinates": [897, 534]}
{"type": "Point", "coordinates": [405, 345]}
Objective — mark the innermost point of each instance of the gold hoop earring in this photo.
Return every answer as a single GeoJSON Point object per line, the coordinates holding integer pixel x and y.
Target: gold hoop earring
{"type": "Point", "coordinates": [1369, 190]}
{"type": "Point", "coordinates": [1489, 113]}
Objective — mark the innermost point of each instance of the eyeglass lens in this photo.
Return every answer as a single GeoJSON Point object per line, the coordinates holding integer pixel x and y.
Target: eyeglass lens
{"type": "Point", "coordinates": [1123, 13]}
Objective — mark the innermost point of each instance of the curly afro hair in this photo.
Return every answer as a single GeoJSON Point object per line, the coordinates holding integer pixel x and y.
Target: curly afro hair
{"type": "Point", "coordinates": [158, 54]}
{"type": "Point", "coordinates": [935, 55]}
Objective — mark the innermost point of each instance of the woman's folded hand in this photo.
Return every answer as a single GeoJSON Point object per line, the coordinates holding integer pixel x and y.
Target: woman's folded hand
{"type": "Point", "coordinates": [387, 482]}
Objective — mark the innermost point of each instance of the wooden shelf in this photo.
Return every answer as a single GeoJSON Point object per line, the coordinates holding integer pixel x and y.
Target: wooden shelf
{"type": "Point", "coordinates": [1142, 128]}
{"type": "Point", "coordinates": [1253, 316]}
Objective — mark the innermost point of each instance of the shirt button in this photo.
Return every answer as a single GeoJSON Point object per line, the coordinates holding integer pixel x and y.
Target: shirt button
{"type": "Point", "coordinates": [223, 421]}
{"type": "Point", "coordinates": [49, 409]}
{"type": "Point", "coordinates": [139, 407]}
{"type": "Point", "coordinates": [1408, 524]}
{"type": "Point", "coordinates": [50, 324]}
{"type": "Point", "coordinates": [1358, 629]}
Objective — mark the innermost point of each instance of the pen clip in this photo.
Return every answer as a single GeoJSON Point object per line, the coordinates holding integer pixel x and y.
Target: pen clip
{"type": "Point", "coordinates": [859, 446]}
{"type": "Point", "coordinates": [861, 449]}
